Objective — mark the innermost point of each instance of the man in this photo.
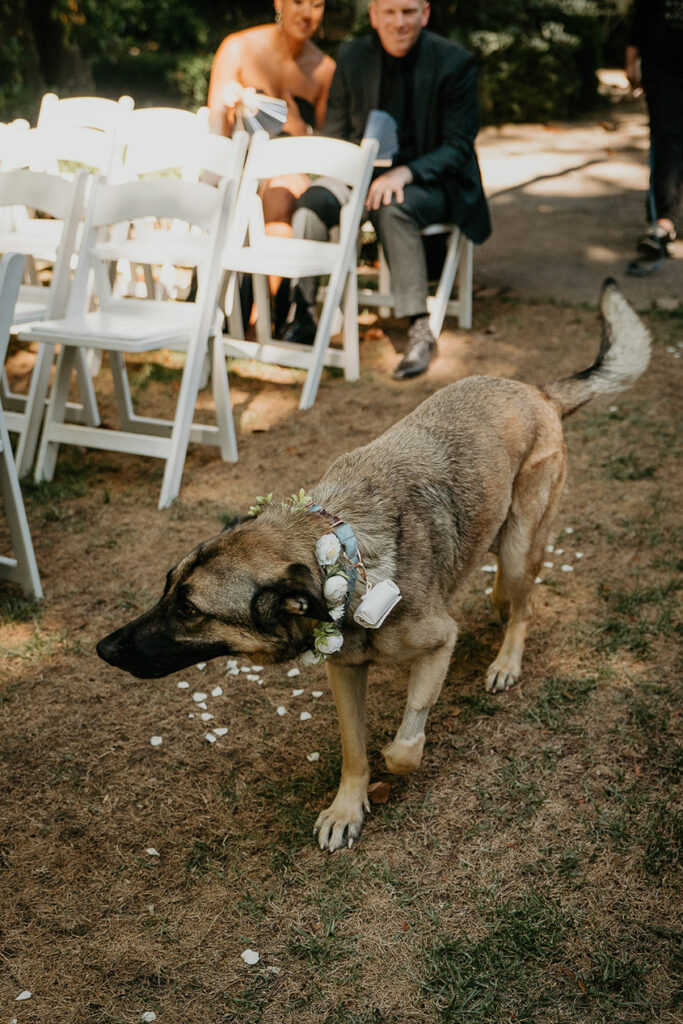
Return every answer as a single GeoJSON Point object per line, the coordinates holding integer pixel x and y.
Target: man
{"type": "Point", "coordinates": [429, 86]}
{"type": "Point", "coordinates": [656, 42]}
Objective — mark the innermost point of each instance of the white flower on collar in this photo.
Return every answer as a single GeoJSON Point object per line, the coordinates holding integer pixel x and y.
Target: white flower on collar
{"type": "Point", "coordinates": [335, 589]}
{"type": "Point", "coordinates": [337, 612]}
{"type": "Point", "coordinates": [328, 549]}
{"type": "Point", "coordinates": [330, 643]}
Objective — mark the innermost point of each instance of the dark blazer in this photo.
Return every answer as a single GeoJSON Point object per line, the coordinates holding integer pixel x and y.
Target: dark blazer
{"type": "Point", "coordinates": [446, 111]}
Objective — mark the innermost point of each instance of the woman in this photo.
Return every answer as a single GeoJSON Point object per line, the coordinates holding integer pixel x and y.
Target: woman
{"type": "Point", "coordinates": [278, 60]}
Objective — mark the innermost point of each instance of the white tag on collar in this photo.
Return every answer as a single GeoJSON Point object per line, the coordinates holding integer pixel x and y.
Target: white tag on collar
{"type": "Point", "coordinates": [376, 605]}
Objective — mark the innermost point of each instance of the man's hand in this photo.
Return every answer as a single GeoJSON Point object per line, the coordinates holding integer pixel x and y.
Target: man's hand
{"type": "Point", "coordinates": [387, 185]}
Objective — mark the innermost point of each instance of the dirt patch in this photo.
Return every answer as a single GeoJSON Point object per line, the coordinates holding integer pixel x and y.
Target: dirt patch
{"type": "Point", "coordinates": [527, 871]}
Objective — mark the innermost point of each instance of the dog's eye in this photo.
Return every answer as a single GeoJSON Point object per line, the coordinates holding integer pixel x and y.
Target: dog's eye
{"type": "Point", "coordinates": [188, 611]}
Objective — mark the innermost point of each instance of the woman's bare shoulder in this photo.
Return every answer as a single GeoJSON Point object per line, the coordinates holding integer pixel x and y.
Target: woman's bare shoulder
{"type": "Point", "coordinates": [248, 41]}
{"type": "Point", "coordinates": [315, 62]}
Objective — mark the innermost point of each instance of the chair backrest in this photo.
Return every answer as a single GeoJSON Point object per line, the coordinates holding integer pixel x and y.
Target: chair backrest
{"type": "Point", "coordinates": [322, 157]}
{"type": "Point", "coordinates": [81, 131]}
{"type": "Point", "coordinates": [62, 200]}
{"type": "Point", "coordinates": [13, 147]}
{"type": "Point", "coordinates": [11, 271]}
{"type": "Point", "coordinates": [162, 139]}
{"type": "Point", "coordinates": [111, 206]}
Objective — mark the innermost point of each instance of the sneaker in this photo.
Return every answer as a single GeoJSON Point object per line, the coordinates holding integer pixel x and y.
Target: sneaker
{"type": "Point", "coordinates": [421, 350]}
{"type": "Point", "coordinates": [653, 244]}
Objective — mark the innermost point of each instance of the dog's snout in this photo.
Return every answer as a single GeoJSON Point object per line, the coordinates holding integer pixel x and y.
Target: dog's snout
{"type": "Point", "coordinates": [110, 647]}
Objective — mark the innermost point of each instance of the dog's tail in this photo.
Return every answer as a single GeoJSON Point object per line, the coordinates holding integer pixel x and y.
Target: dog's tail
{"type": "Point", "coordinates": [623, 356]}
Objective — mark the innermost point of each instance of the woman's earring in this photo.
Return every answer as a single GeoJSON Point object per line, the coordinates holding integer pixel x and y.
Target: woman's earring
{"type": "Point", "coordinates": [278, 16]}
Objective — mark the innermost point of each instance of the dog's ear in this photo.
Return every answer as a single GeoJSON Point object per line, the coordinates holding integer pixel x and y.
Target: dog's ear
{"type": "Point", "coordinates": [297, 592]}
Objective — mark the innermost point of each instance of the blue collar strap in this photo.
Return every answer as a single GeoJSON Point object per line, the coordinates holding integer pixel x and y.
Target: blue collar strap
{"type": "Point", "coordinates": [347, 538]}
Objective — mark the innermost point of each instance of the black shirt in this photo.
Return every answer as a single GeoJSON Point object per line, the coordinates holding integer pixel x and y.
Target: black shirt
{"type": "Point", "coordinates": [657, 31]}
{"type": "Point", "coordinates": [397, 97]}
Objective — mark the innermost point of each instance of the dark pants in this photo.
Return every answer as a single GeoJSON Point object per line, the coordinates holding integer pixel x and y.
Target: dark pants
{"type": "Point", "coordinates": [398, 230]}
{"type": "Point", "coordinates": [664, 94]}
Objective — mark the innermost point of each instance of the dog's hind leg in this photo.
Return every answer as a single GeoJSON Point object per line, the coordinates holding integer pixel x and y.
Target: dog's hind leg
{"type": "Point", "coordinates": [427, 674]}
{"type": "Point", "coordinates": [536, 494]}
{"type": "Point", "coordinates": [341, 822]}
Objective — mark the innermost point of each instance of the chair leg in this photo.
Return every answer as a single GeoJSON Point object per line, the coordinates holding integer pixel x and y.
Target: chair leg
{"type": "Point", "coordinates": [34, 412]}
{"type": "Point", "coordinates": [262, 301]}
{"type": "Point", "coordinates": [221, 398]}
{"type": "Point", "coordinates": [333, 297]}
{"type": "Point", "coordinates": [22, 569]}
{"type": "Point", "coordinates": [465, 284]}
{"type": "Point", "coordinates": [55, 414]}
{"type": "Point", "coordinates": [439, 302]}
{"type": "Point", "coordinates": [182, 423]}
{"type": "Point", "coordinates": [351, 345]}
{"type": "Point", "coordinates": [124, 402]}
{"type": "Point", "coordinates": [384, 282]}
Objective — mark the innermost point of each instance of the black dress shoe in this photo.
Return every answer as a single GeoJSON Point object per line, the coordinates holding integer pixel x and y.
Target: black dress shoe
{"type": "Point", "coordinates": [421, 350]}
{"type": "Point", "coordinates": [302, 329]}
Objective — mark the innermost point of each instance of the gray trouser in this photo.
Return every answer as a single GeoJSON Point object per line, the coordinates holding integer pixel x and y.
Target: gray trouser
{"type": "Point", "coordinates": [398, 229]}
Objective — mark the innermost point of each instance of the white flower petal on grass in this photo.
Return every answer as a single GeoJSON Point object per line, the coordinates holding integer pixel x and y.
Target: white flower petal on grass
{"type": "Point", "coordinates": [294, 672]}
{"type": "Point", "coordinates": [316, 693]}
{"type": "Point", "coordinates": [569, 529]}
{"type": "Point", "coordinates": [191, 714]}
{"type": "Point", "coordinates": [209, 737]}
{"type": "Point", "coordinates": [217, 691]}
{"type": "Point", "coordinates": [578, 554]}
{"type": "Point", "coordinates": [297, 693]}
{"type": "Point", "coordinates": [220, 730]}
{"type": "Point", "coordinates": [253, 678]}
{"type": "Point", "coordinates": [201, 665]}
{"type": "Point", "coordinates": [202, 704]}
{"type": "Point", "coordinates": [233, 671]}
{"type": "Point", "coordinates": [550, 548]}
{"type": "Point", "coordinates": [231, 663]}
{"type": "Point", "coordinates": [152, 852]}
{"type": "Point", "coordinates": [304, 716]}
{"type": "Point", "coordinates": [488, 590]}
{"type": "Point", "coordinates": [23, 995]}
{"type": "Point", "coordinates": [559, 551]}
{"type": "Point", "coordinates": [315, 756]}
{"type": "Point", "coordinates": [257, 668]}
{"type": "Point", "coordinates": [183, 685]}
{"type": "Point", "coordinates": [488, 568]}
{"type": "Point", "coordinates": [548, 565]}
{"type": "Point", "coordinates": [197, 696]}
{"type": "Point", "coordinates": [250, 956]}
{"type": "Point", "coordinates": [156, 741]}
{"type": "Point", "coordinates": [539, 579]}
{"type": "Point", "coordinates": [206, 716]}
{"type": "Point", "coordinates": [282, 710]}
{"type": "Point", "coordinates": [309, 658]}
{"type": "Point", "coordinates": [245, 668]}
{"type": "Point", "coordinates": [567, 568]}
{"type": "Point", "coordinates": [148, 1016]}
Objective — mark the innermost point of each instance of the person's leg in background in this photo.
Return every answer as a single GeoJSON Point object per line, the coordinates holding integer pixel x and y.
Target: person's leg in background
{"type": "Point", "coordinates": [398, 228]}
{"type": "Point", "coordinates": [317, 212]}
{"type": "Point", "coordinates": [664, 95]}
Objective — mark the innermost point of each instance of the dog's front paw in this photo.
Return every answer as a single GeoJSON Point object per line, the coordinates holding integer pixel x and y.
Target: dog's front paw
{"type": "Point", "coordinates": [501, 676]}
{"type": "Point", "coordinates": [340, 824]}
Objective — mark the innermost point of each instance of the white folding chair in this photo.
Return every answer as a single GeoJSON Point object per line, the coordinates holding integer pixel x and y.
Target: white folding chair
{"type": "Point", "coordinates": [456, 272]}
{"type": "Point", "coordinates": [158, 139]}
{"type": "Point", "coordinates": [22, 194]}
{"type": "Point", "coordinates": [80, 130]}
{"type": "Point", "coordinates": [132, 325]}
{"type": "Point", "coordinates": [13, 149]}
{"type": "Point", "coordinates": [249, 250]}
{"type": "Point", "coordinates": [20, 568]}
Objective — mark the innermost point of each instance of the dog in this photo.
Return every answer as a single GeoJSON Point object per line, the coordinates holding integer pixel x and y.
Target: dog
{"type": "Point", "coordinates": [477, 467]}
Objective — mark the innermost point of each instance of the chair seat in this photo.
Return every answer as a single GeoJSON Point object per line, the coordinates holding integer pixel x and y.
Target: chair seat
{"type": "Point", "coordinates": [30, 308]}
{"type": "Point", "coordinates": [37, 238]}
{"type": "Point", "coordinates": [303, 258]}
{"type": "Point", "coordinates": [140, 330]}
